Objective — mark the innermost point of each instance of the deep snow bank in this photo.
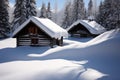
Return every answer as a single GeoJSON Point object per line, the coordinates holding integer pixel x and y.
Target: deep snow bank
{"type": "Point", "coordinates": [47, 70]}
{"type": "Point", "coordinates": [63, 63]}
{"type": "Point", "coordinates": [10, 42]}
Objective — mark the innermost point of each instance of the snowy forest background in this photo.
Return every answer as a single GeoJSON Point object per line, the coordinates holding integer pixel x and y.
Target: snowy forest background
{"type": "Point", "coordinates": [107, 14]}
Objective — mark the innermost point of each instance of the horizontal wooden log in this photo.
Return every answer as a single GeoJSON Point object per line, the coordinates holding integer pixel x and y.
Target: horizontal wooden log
{"type": "Point", "coordinates": [24, 39]}
{"type": "Point", "coordinates": [21, 44]}
{"type": "Point", "coordinates": [24, 42]}
{"type": "Point", "coordinates": [43, 42]}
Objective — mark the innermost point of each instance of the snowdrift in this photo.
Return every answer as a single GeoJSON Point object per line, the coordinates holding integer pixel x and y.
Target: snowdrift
{"type": "Point", "coordinates": [96, 59]}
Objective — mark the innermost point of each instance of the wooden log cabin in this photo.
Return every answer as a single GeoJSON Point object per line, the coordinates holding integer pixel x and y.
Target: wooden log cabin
{"type": "Point", "coordinates": [85, 28]}
{"type": "Point", "coordinates": [39, 32]}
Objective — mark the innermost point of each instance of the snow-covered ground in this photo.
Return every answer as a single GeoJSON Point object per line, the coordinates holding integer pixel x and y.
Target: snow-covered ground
{"type": "Point", "coordinates": [78, 59]}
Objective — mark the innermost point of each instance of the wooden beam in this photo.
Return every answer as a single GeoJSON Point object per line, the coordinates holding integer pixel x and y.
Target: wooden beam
{"type": "Point", "coordinates": [52, 42]}
{"type": "Point", "coordinates": [17, 39]}
{"type": "Point", "coordinates": [61, 41]}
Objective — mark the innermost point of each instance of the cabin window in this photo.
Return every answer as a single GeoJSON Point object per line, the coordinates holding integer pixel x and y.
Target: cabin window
{"type": "Point", "coordinates": [33, 30]}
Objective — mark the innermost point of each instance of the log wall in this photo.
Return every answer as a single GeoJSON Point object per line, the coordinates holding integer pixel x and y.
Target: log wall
{"type": "Point", "coordinates": [27, 40]}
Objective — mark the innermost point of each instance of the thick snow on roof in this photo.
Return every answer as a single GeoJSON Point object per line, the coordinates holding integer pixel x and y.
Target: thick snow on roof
{"type": "Point", "coordinates": [92, 26]}
{"type": "Point", "coordinates": [47, 25]}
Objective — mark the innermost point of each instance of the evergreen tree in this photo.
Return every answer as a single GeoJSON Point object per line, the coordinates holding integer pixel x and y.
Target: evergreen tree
{"type": "Point", "coordinates": [75, 10]}
{"type": "Point", "coordinates": [49, 13]}
{"type": "Point", "coordinates": [67, 16]}
{"type": "Point", "coordinates": [30, 8]}
{"type": "Point", "coordinates": [20, 15]}
{"type": "Point", "coordinates": [95, 11]}
{"type": "Point", "coordinates": [90, 8]}
{"type": "Point", "coordinates": [43, 11]}
{"type": "Point", "coordinates": [78, 10]}
{"type": "Point", "coordinates": [109, 14]}
{"type": "Point", "coordinates": [4, 19]}
{"type": "Point", "coordinates": [7, 3]}
{"type": "Point", "coordinates": [81, 10]}
{"type": "Point", "coordinates": [86, 14]}
{"type": "Point", "coordinates": [100, 17]}
{"type": "Point", "coordinates": [107, 11]}
{"type": "Point", "coordinates": [117, 13]}
{"type": "Point", "coordinates": [55, 18]}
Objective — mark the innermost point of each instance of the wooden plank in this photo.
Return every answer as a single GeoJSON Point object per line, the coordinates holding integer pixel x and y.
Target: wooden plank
{"type": "Point", "coordinates": [17, 41]}
{"type": "Point", "coordinates": [24, 40]}
{"type": "Point", "coordinates": [44, 40]}
{"type": "Point", "coordinates": [24, 45]}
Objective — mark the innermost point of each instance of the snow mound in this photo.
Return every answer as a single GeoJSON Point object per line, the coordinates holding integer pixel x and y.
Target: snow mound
{"type": "Point", "coordinates": [105, 36]}
{"type": "Point", "coordinates": [86, 75]}
{"type": "Point", "coordinates": [45, 70]}
{"type": "Point", "coordinates": [7, 43]}
{"type": "Point", "coordinates": [74, 61]}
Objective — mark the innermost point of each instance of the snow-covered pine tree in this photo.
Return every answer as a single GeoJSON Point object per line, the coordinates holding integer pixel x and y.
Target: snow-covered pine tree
{"type": "Point", "coordinates": [81, 10]}
{"type": "Point", "coordinates": [86, 14]}
{"type": "Point", "coordinates": [75, 10]}
{"type": "Point", "coordinates": [43, 11]}
{"type": "Point", "coordinates": [4, 19]}
{"type": "Point", "coordinates": [95, 8]}
{"type": "Point", "coordinates": [100, 17]}
{"type": "Point", "coordinates": [116, 14]}
{"type": "Point", "coordinates": [55, 17]}
{"type": "Point", "coordinates": [20, 15]}
{"type": "Point", "coordinates": [90, 9]}
{"type": "Point", "coordinates": [49, 12]}
{"type": "Point", "coordinates": [31, 8]}
{"type": "Point", "coordinates": [67, 16]}
{"type": "Point", "coordinates": [7, 3]}
{"type": "Point", "coordinates": [109, 14]}
{"type": "Point", "coordinates": [78, 10]}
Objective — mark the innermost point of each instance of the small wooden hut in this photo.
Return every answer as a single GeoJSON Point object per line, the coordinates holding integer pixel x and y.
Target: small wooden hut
{"type": "Point", "coordinates": [39, 32]}
{"type": "Point", "coordinates": [85, 28]}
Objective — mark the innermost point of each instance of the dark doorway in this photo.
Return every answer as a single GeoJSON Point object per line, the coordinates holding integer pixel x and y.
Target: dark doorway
{"type": "Point", "coordinates": [34, 41]}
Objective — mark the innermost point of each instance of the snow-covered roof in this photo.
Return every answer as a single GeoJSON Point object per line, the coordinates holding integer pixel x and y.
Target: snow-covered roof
{"type": "Point", "coordinates": [92, 26]}
{"type": "Point", "coordinates": [52, 29]}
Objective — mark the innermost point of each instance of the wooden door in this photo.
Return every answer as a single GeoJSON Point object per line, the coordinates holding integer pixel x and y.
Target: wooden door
{"type": "Point", "coordinates": [34, 41]}
{"type": "Point", "coordinates": [33, 31]}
